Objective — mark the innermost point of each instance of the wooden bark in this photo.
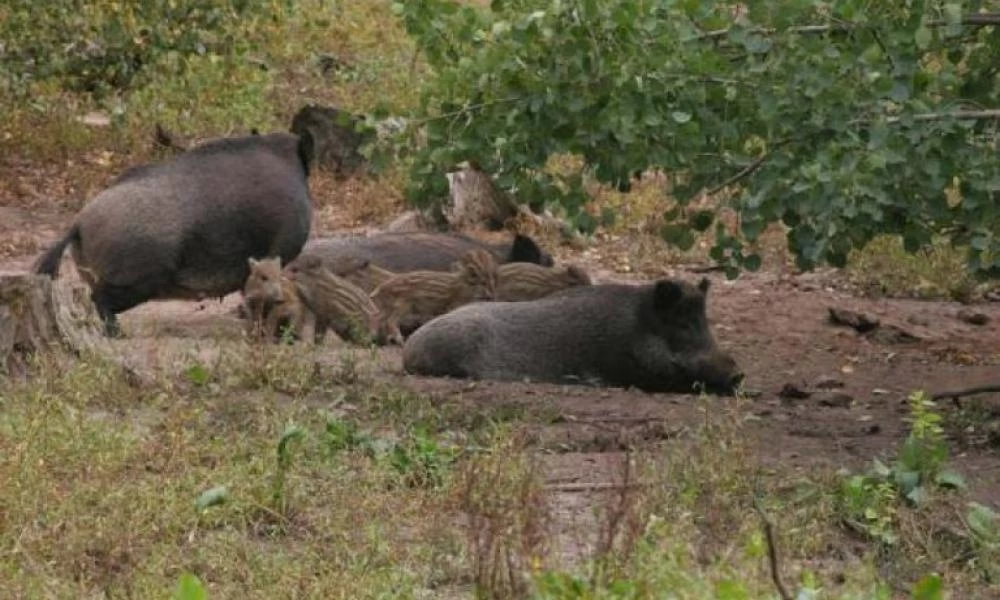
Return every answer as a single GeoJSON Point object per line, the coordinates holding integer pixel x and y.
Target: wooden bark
{"type": "Point", "coordinates": [43, 318]}
{"type": "Point", "coordinates": [476, 202]}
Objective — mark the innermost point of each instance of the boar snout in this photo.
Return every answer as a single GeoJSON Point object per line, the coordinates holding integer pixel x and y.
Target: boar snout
{"type": "Point", "coordinates": [721, 375]}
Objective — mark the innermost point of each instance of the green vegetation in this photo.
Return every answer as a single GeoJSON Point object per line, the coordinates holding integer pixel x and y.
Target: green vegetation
{"type": "Point", "coordinates": [198, 67]}
{"type": "Point", "coordinates": [263, 471]}
{"type": "Point", "coordinates": [236, 487]}
{"type": "Point", "coordinates": [841, 120]}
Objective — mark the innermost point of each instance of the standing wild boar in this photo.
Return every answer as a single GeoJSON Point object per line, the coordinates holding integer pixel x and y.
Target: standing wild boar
{"type": "Point", "coordinates": [272, 300]}
{"type": "Point", "coordinates": [654, 337]}
{"type": "Point", "coordinates": [418, 251]}
{"type": "Point", "coordinates": [337, 303]}
{"type": "Point", "coordinates": [422, 295]}
{"type": "Point", "coordinates": [519, 282]}
{"type": "Point", "coordinates": [184, 228]}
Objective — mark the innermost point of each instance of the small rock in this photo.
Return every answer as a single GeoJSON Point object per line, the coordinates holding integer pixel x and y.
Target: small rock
{"type": "Point", "coordinates": [792, 392]}
{"type": "Point", "coordinates": [891, 334]}
{"type": "Point", "coordinates": [860, 322]}
{"type": "Point", "coordinates": [880, 392]}
{"type": "Point", "coordinates": [828, 383]}
{"type": "Point", "coordinates": [834, 399]}
{"type": "Point", "coordinates": [972, 317]}
{"type": "Point", "coordinates": [96, 119]}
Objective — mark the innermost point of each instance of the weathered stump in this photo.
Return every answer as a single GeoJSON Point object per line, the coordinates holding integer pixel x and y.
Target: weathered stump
{"type": "Point", "coordinates": [476, 202]}
{"type": "Point", "coordinates": [40, 317]}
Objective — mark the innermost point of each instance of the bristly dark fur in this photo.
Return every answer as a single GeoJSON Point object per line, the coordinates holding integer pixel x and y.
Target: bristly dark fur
{"type": "Point", "coordinates": [185, 227]}
{"type": "Point", "coordinates": [421, 251]}
{"type": "Point", "coordinates": [653, 337]}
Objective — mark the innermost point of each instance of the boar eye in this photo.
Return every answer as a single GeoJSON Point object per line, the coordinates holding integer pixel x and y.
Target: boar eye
{"type": "Point", "coordinates": [263, 277]}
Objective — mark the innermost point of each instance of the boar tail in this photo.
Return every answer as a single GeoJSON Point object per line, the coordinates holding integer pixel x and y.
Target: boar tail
{"type": "Point", "coordinates": [48, 263]}
{"type": "Point", "coordinates": [306, 149]}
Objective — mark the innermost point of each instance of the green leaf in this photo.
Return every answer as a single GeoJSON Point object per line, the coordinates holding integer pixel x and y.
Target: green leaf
{"type": "Point", "coordinates": [953, 17]}
{"type": "Point", "coordinates": [197, 374]}
{"type": "Point", "coordinates": [701, 220]}
{"type": "Point", "coordinates": [916, 495]}
{"type": "Point", "coordinates": [752, 262]}
{"type": "Point", "coordinates": [979, 242]}
{"type": "Point", "coordinates": [292, 432]}
{"type": "Point", "coordinates": [729, 589]}
{"type": "Point", "coordinates": [880, 469]}
{"type": "Point", "coordinates": [951, 479]}
{"type": "Point", "coordinates": [929, 588]}
{"type": "Point", "coordinates": [984, 523]}
{"type": "Point", "coordinates": [211, 497]}
{"type": "Point", "coordinates": [678, 235]}
{"type": "Point", "coordinates": [189, 587]}
{"type": "Point", "coordinates": [680, 116]}
{"type": "Point", "coordinates": [900, 92]}
{"type": "Point", "coordinates": [923, 37]}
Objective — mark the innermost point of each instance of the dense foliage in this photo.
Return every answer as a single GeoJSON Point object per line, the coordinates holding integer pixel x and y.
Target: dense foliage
{"type": "Point", "coordinates": [841, 119]}
{"type": "Point", "coordinates": [102, 47]}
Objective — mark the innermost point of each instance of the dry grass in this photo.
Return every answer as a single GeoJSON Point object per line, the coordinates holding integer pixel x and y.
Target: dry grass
{"type": "Point", "coordinates": [387, 493]}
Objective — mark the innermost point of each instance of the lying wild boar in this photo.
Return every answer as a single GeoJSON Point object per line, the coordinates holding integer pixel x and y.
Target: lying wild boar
{"type": "Point", "coordinates": [422, 251]}
{"type": "Point", "coordinates": [362, 273]}
{"type": "Point", "coordinates": [654, 337]}
{"type": "Point", "coordinates": [422, 295]}
{"type": "Point", "coordinates": [184, 228]}
{"type": "Point", "coordinates": [519, 282]}
{"type": "Point", "coordinates": [273, 301]}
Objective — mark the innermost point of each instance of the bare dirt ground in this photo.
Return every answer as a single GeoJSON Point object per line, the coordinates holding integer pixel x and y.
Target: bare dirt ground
{"type": "Point", "coordinates": [776, 325]}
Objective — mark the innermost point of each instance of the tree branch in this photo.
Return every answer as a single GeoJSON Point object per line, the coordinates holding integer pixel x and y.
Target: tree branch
{"type": "Point", "coordinates": [772, 551]}
{"type": "Point", "coordinates": [969, 391]}
{"type": "Point", "coordinates": [467, 109]}
{"type": "Point", "coordinates": [974, 20]}
{"type": "Point", "coordinates": [992, 113]}
{"type": "Point", "coordinates": [743, 174]}
{"type": "Point", "coordinates": [966, 115]}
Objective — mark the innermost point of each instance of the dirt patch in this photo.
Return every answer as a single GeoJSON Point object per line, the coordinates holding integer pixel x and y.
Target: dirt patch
{"type": "Point", "coordinates": [777, 326]}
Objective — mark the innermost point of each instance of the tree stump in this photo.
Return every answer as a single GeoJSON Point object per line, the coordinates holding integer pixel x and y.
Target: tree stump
{"type": "Point", "coordinates": [476, 202]}
{"type": "Point", "coordinates": [49, 318]}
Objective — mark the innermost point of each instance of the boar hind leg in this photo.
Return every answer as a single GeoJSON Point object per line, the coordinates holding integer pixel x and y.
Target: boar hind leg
{"type": "Point", "coordinates": [306, 326]}
{"type": "Point", "coordinates": [111, 300]}
{"type": "Point", "coordinates": [390, 325]}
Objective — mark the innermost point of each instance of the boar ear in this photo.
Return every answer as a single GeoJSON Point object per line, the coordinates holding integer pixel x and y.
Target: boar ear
{"type": "Point", "coordinates": [253, 262]}
{"type": "Point", "coordinates": [666, 294]}
{"type": "Point", "coordinates": [579, 273]}
{"type": "Point", "coordinates": [524, 249]}
{"type": "Point", "coordinates": [703, 285]}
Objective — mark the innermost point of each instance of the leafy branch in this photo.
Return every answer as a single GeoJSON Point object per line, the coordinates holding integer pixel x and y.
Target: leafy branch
{"type": "Point", "coordinates": [974, 20]}
{"type": "Point", "coordinates": [622, 86]}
